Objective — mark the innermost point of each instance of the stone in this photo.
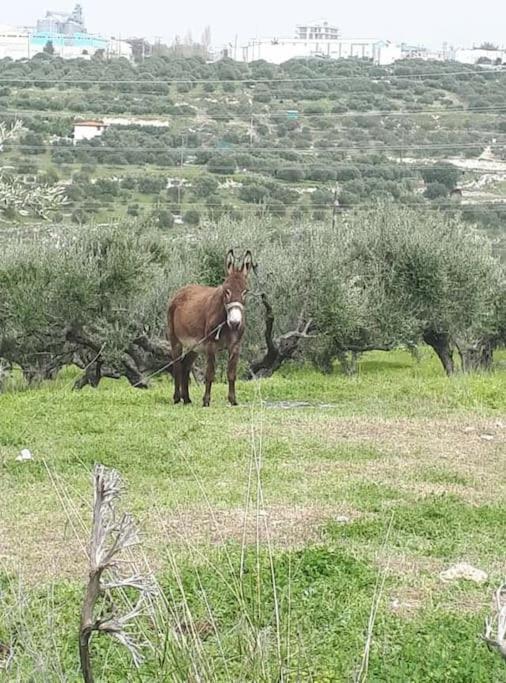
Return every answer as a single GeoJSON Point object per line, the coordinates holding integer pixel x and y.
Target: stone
{"type": "Point", "coordinates": [465, 571]}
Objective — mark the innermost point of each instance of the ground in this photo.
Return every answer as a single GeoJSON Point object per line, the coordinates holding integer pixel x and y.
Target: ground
{"type": "Point", "coordinates": [332, 485]}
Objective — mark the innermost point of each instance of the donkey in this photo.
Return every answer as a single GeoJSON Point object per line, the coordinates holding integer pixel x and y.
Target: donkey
{"type": "Point", "coordinates": [209, 319]}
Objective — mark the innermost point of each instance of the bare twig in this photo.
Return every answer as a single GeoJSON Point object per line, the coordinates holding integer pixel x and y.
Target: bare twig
{"type": "Point", "coordinates": [361, 675]}
{"type": "Point", "coordinates": [495, 627]}
{"type": "Point", "coordinates": [110, 537]}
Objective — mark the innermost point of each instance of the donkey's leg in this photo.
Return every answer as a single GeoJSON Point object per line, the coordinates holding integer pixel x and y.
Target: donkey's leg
{"type": "Point", "coordinates": [177, 351]}
{"type": "Point", "coordinates": [185, 381]}
{"type": "Point", "coordinates": [233, 359]}
{"type": "Point", "coordinates": [211, 363]}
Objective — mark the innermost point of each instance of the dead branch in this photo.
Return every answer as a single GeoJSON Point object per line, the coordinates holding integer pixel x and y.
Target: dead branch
{"type": "Point", "coordinates": [144, 356]}
{"type": "Point", "coordinates": [495, 627]}
{"type": "Point", "coordinates": [111, 535]}
{"type": "Point", "coordinates": [279, 349]}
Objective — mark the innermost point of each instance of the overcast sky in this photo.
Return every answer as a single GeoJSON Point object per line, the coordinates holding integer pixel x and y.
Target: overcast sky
{"type": "Point", "coordinates": [430, 22]}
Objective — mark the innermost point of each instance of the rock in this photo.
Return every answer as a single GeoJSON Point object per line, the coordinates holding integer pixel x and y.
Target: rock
{"type": "Point", "coordinates": [342, 519]}
{"type": "Point", "coordinates": [24, 455]}
{"type": "Point", "coordinates": [487, 437]}
{"type": "Point", "coordinates": [465, 571]}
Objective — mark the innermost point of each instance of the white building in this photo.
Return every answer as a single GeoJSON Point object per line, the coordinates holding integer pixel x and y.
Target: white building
{"type": "Point", "coordinates": [317, 30]}
{"type": "Point", "coordinates": [14, 42]}
{"type": "Point", "coordinates": [280, 50]}
{"type": "Point", "coordinates": [86, 130]}
{"type": "Point", "coordinates": [24, 43]}
{"type": "Point", "coordinates": [477, 55]}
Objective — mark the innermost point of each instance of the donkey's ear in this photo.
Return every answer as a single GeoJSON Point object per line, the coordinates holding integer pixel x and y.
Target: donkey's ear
{"type": "Point", "coordinates": [247, 262]}
{"type": "Point", "coordinates": [230, 261]}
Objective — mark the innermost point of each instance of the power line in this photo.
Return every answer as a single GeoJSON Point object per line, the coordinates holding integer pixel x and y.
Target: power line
{"type": "Point", "coordinates": [297, 79]}
{"type": "Point", "coordinates": [269, 210]}
{"type": "Point", "coordinates": [246, 117]}
{"type": "Point", "coordinates": [368, 169]}
{"type": "Point", "coordinates": [499, 205]}
{"type": "Point", "coordinates": [256, 150]}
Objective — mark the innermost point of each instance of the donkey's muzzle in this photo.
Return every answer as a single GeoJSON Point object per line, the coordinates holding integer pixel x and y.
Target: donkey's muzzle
{"type": "Point", "coordinates": [235, 312]}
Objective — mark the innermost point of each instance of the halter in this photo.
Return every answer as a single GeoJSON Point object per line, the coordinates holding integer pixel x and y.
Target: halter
{"type": "Point", "coordinates": [234, 304]}
{"type": "Point", "coordinates": [228, 307]}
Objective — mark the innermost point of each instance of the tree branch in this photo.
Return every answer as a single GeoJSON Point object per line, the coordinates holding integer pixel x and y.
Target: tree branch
{"type": "Point", "coordinates": [110, 537]}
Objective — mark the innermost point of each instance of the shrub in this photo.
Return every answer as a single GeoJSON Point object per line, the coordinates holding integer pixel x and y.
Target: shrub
{"type": "Point", "coordinates": [80, 216]}
{"type": "Point", "coordinates": [192, 217]}
{"type": "Point", "coordinates": [204, 185]}
{"type": "Point", "coordinates": [253, 193]}
{"type": "Point", "coordinates": [292, 174]}
{"type": "Point", "coordinates": [442, 173]}
{"type": "Point", "coordinates": [162, 218]}
{"type": "Point", "coordinates": [222, 163]}
{"type": "Point", "coordinates": [436, 190]}
{"type": "Point", "coordinates": [321, 173]}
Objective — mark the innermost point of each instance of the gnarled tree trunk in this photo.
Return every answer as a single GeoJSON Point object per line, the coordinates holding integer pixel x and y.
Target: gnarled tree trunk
{"type": "Point", "coordinates": [278, 350]}
{"type": "Point", "coordinates": [441, 343]}
{"type": "Point", "coordinates": [476, 356]}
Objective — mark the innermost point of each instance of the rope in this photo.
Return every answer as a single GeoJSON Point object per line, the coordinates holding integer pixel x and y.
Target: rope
{"type": "Point", "coordinates": [216, 329]}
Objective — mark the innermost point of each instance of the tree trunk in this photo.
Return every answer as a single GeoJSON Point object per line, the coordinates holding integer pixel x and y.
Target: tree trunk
{"type": "Point", "coordinates": [279, 350]}
{"type": "Point", "coordinates": [440, 342]}
{"type": "Point", "coordinates": [348, 363]}
{"type": "Point", "coordinates": [477, 356]}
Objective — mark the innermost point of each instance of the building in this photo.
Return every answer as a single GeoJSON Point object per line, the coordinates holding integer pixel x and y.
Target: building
{"type": "Point", "coordinates": [317, 31]}
{"type": "Point", "coordinates": [280, 50]}
{"type": "Point", "coordinates": [66, 33]}
{"type": "Point", "coordinates": [14, 42]}
{"type": "Point", "coordinates": [476, 55]}
{"type": "Point", "coordinates": [319, 39]}
{"type": "Point", "coordinates": [63, 23]}
{"type": "Point", "coordinates": [86, 130]}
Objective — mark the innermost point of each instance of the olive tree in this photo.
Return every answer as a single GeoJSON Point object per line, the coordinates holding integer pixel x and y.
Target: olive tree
{"type": "Point", "coordinates": [95, 298]}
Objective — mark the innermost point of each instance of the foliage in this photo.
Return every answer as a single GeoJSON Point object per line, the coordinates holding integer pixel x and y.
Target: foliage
{"type": "Point", "coordinates": [24, 197]}
{"type": "Point", "coordinates": [385, 279]}
{"type": "Point", "coordinates": [192, 217]}
{"type": "Point", "coordinates": [204, 185]}
{"type": "Point", "coordinates": [442, 173]}
{"type": "Point", "coordinates": [223, 164]}
{"type": "Point", "coordinates": [436, 190]}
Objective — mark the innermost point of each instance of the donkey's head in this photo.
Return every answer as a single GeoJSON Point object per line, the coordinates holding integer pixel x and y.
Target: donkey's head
{"type": "Point", "coordinates": [235, 288]}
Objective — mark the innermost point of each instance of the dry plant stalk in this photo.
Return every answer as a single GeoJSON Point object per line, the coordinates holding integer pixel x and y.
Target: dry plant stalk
{"type": "Point", "coordinates": [111, 535]}
{"type": "Point", "coordinates": [495, 627]}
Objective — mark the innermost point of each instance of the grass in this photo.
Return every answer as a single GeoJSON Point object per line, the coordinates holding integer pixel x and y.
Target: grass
{"type": "Point", "coordinates": [399, 444]}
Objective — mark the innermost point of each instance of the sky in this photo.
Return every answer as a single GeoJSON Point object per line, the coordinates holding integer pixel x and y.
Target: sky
{"type": "Point", "coordinates": [427, 22]}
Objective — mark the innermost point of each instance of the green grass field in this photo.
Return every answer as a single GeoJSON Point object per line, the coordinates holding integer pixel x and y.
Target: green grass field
{"type": "Point", "coordinates": [272, 527]}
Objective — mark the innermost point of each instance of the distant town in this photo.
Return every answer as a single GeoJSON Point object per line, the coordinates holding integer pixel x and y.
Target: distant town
{"type": "Point", "coordinates": [65, 35]}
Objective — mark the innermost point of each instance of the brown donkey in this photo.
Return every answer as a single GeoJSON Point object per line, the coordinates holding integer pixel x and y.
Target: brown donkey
{"type": "Point", "coordinates": [209, 319]}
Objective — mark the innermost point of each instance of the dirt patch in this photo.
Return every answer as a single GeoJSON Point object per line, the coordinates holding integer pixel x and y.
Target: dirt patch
{"type": "Point", "coordinates": [405, 602]}
{"type": "Point", "coordinates": [282, 526]}
{"type": "Point", "coordinates": [469, 456]}
{"type": "Point", "coordinates": [444, 438]}
{"type": "Point", "coordinates": [35, 552]}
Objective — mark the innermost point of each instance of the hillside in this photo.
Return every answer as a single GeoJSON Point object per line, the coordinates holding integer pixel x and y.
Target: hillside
{"type": "Point", "coordinates": [195, 141]}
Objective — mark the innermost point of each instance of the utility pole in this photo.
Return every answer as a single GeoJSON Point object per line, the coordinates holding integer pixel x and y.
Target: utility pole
{"type": "Point", "coordinates": [181, 162]}
{"type": "Point", "coordinates": [335, 206]}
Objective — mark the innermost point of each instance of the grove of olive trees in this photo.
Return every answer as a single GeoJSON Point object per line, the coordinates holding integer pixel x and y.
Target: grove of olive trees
{"type": "Point", "coordinates": [392, 277]}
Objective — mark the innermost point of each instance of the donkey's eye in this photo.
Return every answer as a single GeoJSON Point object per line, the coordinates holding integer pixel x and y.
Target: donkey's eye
{"type": "Point", "coordinates": [245, 291]}
{"type": "Point", "coordinates": [228, 294]}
